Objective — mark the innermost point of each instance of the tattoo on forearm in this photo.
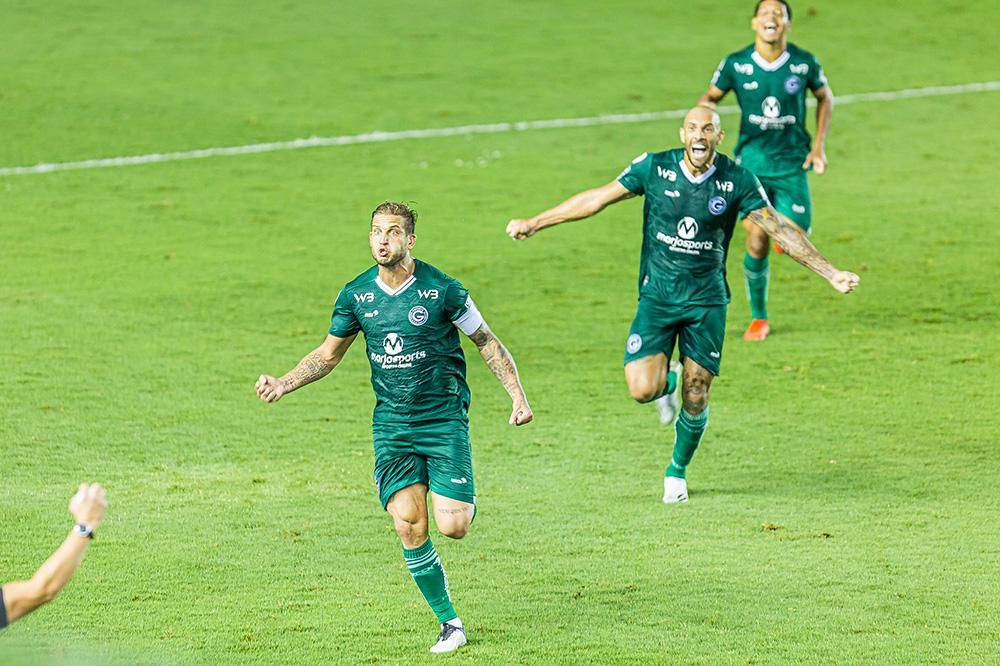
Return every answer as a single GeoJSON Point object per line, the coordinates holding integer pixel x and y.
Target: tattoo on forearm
{"type": "Point", "coordinates": [309, 369]}
{"type": "Point", "coordinates": [793, 241]}
{"type": "Point", "coordinates": [499, 360]}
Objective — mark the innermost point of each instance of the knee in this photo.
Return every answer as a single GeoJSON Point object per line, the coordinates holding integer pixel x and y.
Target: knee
{"type": "Point", "coordinates": [411, 529]}
{"type": "Point", "coordinates": [643, 389]}
{"type": "Point", "coordinates": [454, 530]}
{"type": "Point", "coordinates": [695, 398]}
{"type": "Point", "coordinates": [757, 243]}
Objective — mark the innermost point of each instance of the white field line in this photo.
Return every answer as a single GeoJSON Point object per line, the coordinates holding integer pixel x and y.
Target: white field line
{"type": "Point", "coordinates": [491, 128]}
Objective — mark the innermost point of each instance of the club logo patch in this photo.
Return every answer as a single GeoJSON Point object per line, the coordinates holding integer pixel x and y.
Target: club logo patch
{"type": "Point", "coordinates": [393, 344]}
{"type": "Point", "coordinates": [634, 343]}
{"type": "Point", "coordinates": [687, 228]}
{"type": "Point", "coordinates": [418, 315]}
{"type": "Point", "coordinates": [793, 84]}
{"type": "Point", "coordinates": [717, 205]}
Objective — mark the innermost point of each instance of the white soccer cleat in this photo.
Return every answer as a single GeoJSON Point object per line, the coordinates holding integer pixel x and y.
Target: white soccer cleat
{"type": "Point", "coordinates": [669, 405]}
{"type": "Point", "coordinates": [450, 639]}
{"type": "Point", "coordinates": [674, 490]}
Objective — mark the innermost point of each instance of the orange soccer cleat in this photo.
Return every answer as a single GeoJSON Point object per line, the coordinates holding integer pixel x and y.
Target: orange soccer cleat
{"type": "Point", "coordinates": [777, 248]}
{"type": "Point", "coordinates": [758, 330]}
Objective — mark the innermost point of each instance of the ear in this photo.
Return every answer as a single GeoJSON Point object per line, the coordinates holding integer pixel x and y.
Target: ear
{"type": "Point", "coordinates": [680, 133]}
{"type": "Point", "coordinates": [722, 137]}
{"type": "Point", "coordinates": [411, 240]}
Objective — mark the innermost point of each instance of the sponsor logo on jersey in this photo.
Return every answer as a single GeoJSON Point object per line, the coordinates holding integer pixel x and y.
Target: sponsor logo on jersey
{"type": "Point", "coordinates": [669, 174]}
{"type": "Point", "coordinates": [428, 293]}
{"type": "Point", "coordinates": [367, 297]}
{"type": "Point", "coordinates": [793, 84]}
{"type": "Point", "coordinates": [716, 206]}
{"type": "Point", "coordinates": [634, 343]}
{"type": "Point", "coordinates": [394, 356]}
{"type": "Point", "coordinates": [743, 68]}
{"type": "Point", "coordinates": [687, 229]}
{"type": "Point", "coordinates": [752, 85]}
{"type": "Point", "coordinates": [418, 315]}
{"type": "Point", "coordinates": [724, 185]}
{"type": "Point", "coordinates": [673, 194]}
{"type": "Point", "coordinates": [771, 118]}
{"type": "Point", "coordinates": [802, 69]}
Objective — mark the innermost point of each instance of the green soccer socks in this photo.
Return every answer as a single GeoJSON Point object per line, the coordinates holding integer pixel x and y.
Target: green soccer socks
{"type": "Point", "coordinates": [757, 275]}
{"type": "Point", "coordinates": [428, 573]}
{"type": "Point", "coordinates": [688, 430]}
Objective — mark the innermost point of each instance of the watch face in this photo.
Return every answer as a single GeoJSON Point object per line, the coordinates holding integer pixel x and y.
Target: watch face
{"type": "Point", "coordinates": [84, 530]}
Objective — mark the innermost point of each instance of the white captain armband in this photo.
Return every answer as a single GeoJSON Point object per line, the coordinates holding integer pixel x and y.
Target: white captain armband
{"type": "Point", "coordinates": [470, 320]}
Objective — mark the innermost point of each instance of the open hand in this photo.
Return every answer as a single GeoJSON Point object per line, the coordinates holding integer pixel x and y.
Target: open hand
{"type": "Point", "coordinates": [88, 504]}
{"type": "Point", "coordinates": [815, 159]}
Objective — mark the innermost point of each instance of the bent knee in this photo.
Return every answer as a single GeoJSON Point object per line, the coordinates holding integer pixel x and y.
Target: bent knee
{"type": "Point", "coordinates": [643, 390]}
{"type": "Point", "coordinates": [695, 399]}
{"type": "Point", "coordinates": [410, 530]}
{"type": "Point", "coordinates": [454, 530]}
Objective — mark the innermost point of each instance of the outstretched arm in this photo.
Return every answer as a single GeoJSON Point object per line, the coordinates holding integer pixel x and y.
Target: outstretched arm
{"type": "Point", "coordinates": [315, 365]}
{"type": "Point", "coordinates": [23, 596]}
{"type": "Point", "coordinates": [712, 97]}
{"type": "Point", "coordinates": [502, 364]}
{"type": "Point", "coordinates": [577, 207]}
{"type": "Point", "coordinates": [795, 243]}
{"type": "Point", "coordinates": [824, 110]}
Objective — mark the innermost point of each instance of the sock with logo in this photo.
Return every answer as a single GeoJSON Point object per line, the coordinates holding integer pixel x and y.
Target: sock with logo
{"type": "Point", "coordinates": [428, 573]}
{"type": "Point", "coordinates": [688, 430]}
{"type": "Point", "coordinates": [671, 385]}
{"type": "Point", "coordinates": [757, 275]}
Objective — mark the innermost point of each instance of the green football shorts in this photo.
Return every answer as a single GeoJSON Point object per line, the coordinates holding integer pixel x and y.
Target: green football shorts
{"type": "Point", "coordinates": [790, 196]}
{"type": "Point", "coordinates": [701, 330]}
{"type": "Point", "coordinates": [436, 453]}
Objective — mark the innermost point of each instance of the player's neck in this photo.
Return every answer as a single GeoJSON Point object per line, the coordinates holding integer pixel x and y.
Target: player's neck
{"type": "Point", "coordinates": [695, 171]}
{"type": "Point", "coordinates": [395, 275]}
{"type": "Point", "coordinates": [770, 52]}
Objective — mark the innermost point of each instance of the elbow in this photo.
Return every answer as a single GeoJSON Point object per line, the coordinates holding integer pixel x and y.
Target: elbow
{"type": "Point", "coordinates": [44, 592]}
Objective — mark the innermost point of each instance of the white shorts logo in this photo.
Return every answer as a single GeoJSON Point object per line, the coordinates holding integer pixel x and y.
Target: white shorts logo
{"type": "Point", "coordinates": [687, 228]}
{"type": "Point", "coordinates": [418, 315]}
{"type": "Point", "coordinates": [798, 209]}
{"type": "Point", "coordinates": [634, 343]}
{"type": "Point", "coordinates": [393, 344]}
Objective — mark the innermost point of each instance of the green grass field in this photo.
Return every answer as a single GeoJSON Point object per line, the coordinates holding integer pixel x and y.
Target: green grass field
{"type": "Point", "coordinates": [844, 504]}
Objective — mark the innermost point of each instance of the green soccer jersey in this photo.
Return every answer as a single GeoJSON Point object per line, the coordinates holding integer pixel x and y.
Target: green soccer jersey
{"type": "Point", "coordinates": [687, 224]}
{"type": "Point", "coordinates": [411, 334]}
{"type": "Point", "coordinates": [772, 98]}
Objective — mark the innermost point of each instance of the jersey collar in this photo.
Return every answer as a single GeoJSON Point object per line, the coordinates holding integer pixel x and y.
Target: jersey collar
{"type": "Point", "coordinates": [770, 66]}
{"type": "Point", "coordinates": [398, 290]}
{"type": "Point", "coordinates": [697, 180]}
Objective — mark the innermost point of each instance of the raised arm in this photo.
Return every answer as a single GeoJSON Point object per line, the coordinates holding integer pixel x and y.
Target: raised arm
{"type": "Point", "coordinates": [577, 207]}
{"type": "Point", "coordinates": [23, 596]}
{"type": "Point", "coordinates": [502, 364]}
{"type": "Point", "coordinates": [824, 110]}
{"type": "Point", "coordinates": [795, 243]}
{"type": "Point", "coordinates": [712, 97]}
{"type": "Point", "coordinates": [315, 365]}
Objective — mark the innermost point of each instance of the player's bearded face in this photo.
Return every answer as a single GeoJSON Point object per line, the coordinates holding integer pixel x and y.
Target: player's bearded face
{"type": "Point", "coordinates": [771, 21]}
{"type": "Point", "coordinates": [700, 139]}
{"type": "Point", "coordinates": [388, 239]}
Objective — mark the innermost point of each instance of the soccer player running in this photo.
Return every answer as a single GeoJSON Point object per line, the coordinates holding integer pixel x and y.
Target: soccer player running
{"type": "Point", "coordinates": [410, 313]}
{"type": "Point", "coordinates": [694, 196]}
{"type": "Point", "coordinates": [770, 78]}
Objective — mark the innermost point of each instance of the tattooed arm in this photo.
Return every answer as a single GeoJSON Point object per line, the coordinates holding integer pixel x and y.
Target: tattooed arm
{"type": "Point", "coordinates": [502, 364]}
{"type": "Point", "coordinates": [315, 365]}
{"type": "Point", "coordinates": [795, 243]}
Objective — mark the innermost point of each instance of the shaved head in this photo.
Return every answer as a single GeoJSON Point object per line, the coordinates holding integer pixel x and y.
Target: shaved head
{"type": "Point", "coordinates": [702, 115]}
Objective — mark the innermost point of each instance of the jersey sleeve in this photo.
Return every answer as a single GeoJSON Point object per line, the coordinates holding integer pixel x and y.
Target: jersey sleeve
{"type": "Point", "coordinates": [636, 174]}
{"type": "Point", "coordinates": [723, 77]}
{"type": "Point", "coordinates": [344, 323]}
{"type": "Point", "coordinates": [460, 308]}
{"type": "Point", "coordinates": [752, 196]}
{"type": "Point", "coordinates": [816, 78]}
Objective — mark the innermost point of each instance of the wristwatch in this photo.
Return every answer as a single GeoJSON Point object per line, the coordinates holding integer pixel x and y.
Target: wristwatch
{"type": "Point", "coordinates": [83, 530]}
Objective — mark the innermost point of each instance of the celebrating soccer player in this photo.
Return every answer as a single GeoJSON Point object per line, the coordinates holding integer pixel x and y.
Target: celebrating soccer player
{"type": "Point", "coordinates": [770, 78]}
{"type": "Point", "coordinates": [410, 313]}
{"type": "Point", "coordinates": [693, 199]}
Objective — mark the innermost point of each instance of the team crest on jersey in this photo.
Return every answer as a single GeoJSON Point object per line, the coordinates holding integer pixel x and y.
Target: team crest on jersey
{"type": "Point", "coordinates": [793, 84]}
{"type": "Point", "coordinates": [418, 315]}
{"type": "Point", "coordinates": [716, 206]}
{"type": "Point", "coordinates": [634, 343]}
